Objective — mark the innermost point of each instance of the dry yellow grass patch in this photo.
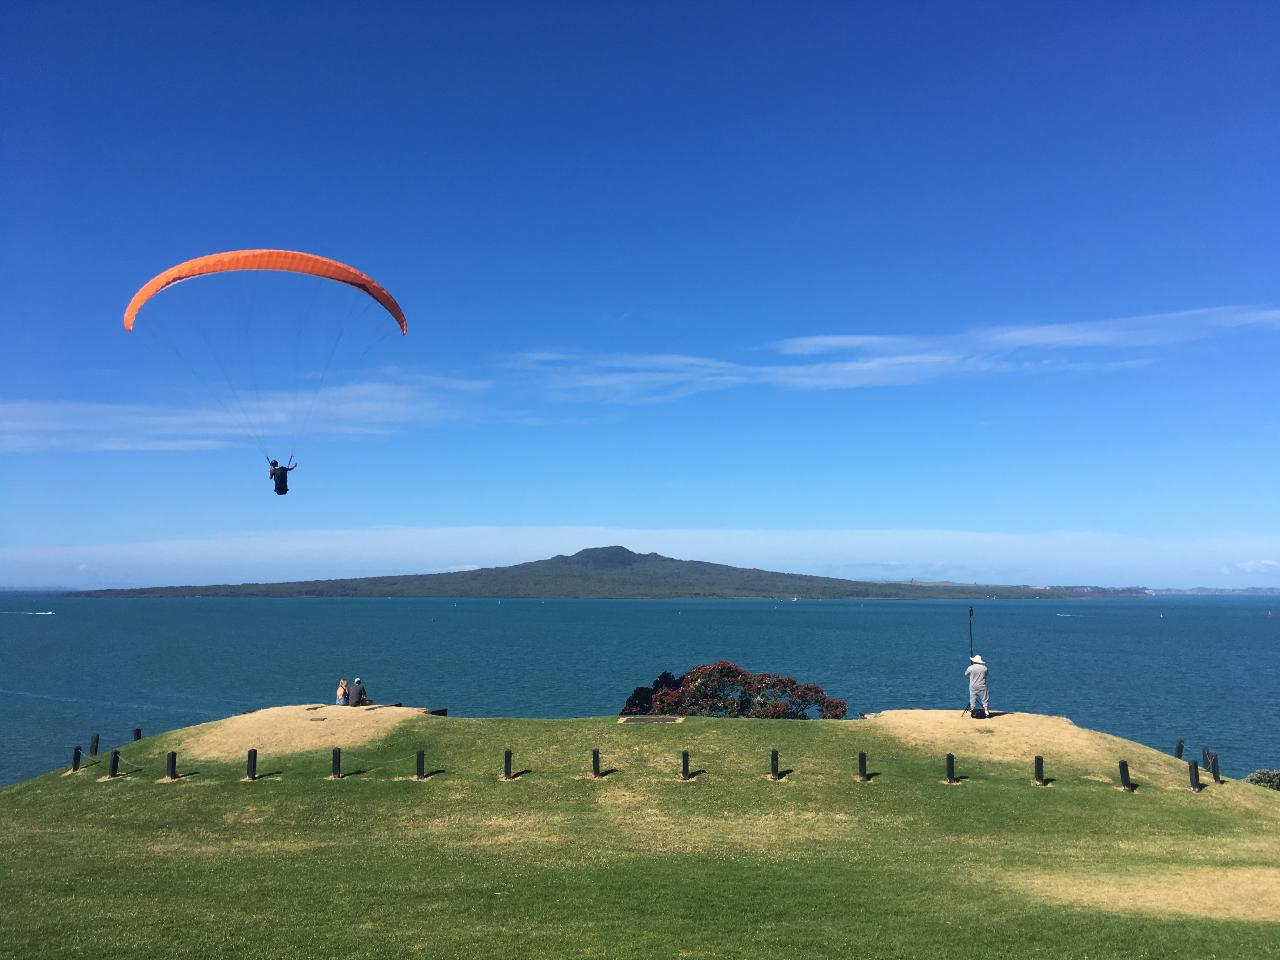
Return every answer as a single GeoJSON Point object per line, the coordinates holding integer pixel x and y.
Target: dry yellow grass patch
{"type": "Point", "coordinates": [280, 730]}
{"type": "Point", "coordinates": [647, 826]}
{"type": "Point", "coordinates": [206, 846]}
{"type": "Point", "coordinates": [781, 836]}
{"type": "Point", "coordinates": [1017, 737]}
{"type": "Point", "coordinates": [490, 832]}
{"type": "Point", "coordinates": [615, 795]}
{"type": "Point", "coordinates": [250, 815]}
{"type": "Point", "coordinates": [1234, 893]}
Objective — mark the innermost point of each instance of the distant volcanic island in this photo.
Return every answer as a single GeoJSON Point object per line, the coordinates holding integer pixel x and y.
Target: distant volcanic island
{"type": "Point", "coordinates": [616, 573]}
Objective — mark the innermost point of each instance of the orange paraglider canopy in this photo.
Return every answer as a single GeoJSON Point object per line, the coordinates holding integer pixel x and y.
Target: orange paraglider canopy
{"type": "Point", "coordinates": [288, 261]}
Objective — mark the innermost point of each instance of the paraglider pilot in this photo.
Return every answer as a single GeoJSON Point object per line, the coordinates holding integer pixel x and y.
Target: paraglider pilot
{"type": "Point", "coordinates": [281, 476]}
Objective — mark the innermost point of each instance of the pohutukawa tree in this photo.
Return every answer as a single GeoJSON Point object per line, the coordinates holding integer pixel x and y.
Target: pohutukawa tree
{"type": "Point", "coordinates": [724, 689]}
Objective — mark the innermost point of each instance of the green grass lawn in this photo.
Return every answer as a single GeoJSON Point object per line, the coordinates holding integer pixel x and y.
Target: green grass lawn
{"type": "Point", "coordinates": [636, 865]}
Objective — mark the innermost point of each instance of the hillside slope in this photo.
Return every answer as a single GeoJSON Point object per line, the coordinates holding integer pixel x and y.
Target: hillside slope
{"type": "Point", "coordinates": [638, 864]}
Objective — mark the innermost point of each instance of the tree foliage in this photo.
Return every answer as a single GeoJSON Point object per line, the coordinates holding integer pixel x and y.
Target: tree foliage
{"type": "Point", "coordinates": [641, 699]}
{"type": "Point", "coordinates": [1265, 778]}
{"type": "Point", "coordinates": [724, 689]}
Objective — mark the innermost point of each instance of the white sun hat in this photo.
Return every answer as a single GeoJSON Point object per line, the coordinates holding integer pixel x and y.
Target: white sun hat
{"type": "Point", "coordinates": [976, 658]}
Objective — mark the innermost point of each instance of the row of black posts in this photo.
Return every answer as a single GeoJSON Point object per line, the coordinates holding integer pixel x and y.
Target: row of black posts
{"type": "Point", "coordinates": [420, 767]}
{"type": "Point", "coordinates": [93, 752]}
{"type": "Point", "coordinates": [1208, 761]}
{"type": "Point", "coordinates": [93, 744]}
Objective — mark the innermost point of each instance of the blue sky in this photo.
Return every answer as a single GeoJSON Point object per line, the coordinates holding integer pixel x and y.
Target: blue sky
{"type": "Point", "coordinates": [975, 292]}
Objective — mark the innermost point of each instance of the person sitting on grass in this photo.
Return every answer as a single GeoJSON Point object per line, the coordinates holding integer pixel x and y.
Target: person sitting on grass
{"type": "Point", "coordinates": [343, 696]}
{"type": "Point", "coordinates": [977, 673]}
{"type": "Point", "coordinates": [359, 696]}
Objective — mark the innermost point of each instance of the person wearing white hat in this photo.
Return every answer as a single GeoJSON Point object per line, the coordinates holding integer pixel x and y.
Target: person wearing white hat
{"type": "Point", "coordinates": [359, 696]}
{"type": "Point", "coordinates": [977, 673]}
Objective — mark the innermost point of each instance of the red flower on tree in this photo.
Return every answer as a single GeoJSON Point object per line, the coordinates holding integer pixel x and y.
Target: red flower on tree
{"type": "Point", "coordinates": [724, 689]}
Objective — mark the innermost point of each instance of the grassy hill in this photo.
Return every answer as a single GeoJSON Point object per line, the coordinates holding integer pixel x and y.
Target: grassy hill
{"type": "Point", "coordinates": [639, 864]}
{"type": "Point", "coordinates": [618, 573]}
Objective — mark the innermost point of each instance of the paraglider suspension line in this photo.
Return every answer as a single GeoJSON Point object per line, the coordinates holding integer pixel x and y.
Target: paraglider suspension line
{"type": "Point", "coordinates": [241, 415]}
{"type": "Point", "coordinates": [320, 385]}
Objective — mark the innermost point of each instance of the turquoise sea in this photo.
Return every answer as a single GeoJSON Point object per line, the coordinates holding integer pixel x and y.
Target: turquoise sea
{"type": "Point", "coordinates": [1206, 669]}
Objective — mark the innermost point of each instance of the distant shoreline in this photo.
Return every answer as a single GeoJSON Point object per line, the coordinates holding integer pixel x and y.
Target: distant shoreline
{"type": "Point", "coordinates": [150, 593]}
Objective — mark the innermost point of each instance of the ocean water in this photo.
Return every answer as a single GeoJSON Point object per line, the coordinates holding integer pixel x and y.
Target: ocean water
{"type": "Point", "coordinates": [1206, 669]}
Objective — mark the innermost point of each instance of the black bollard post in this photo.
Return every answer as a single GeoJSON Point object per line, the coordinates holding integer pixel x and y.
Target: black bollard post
{"type": "Point", "coordinates": [93, 745]}
{"type": "Point", "coordinates": [1193, 773]}
{"type": "Point", "coordinates": [595, 764]}
{"type": "Point", "coordinates": [251, 766]}
{"type": "Point", "coordinates": [1178, 748]}
{"type": "Point", "coordinates": [862, 767]}
{"type": "Point", "coordinates": [773, 764]}
{"type": "Point", "coordinates": [1039, 774]}
{"type": "Point", "coordinates": [506, 764]}
{"type": "Point", "coordinates": [1125, 783]}
{"type": "Point", "coordinates": [1213, 768]}
{"type": "Point", "coordinates": [951, 768]}
{"type": "Point", "coordinates": [114, 769]}
{"type": "Point", "coordinates": [75, 759]}
{"type": "Point", "coordinates": [337, 763]}
{"type": "Point", "coordinates": [171, 765]}
{"type": "Point", "coordinates": [137, 733]}
{"type": "Point", "coordinates": [684, 764]}
{"type": "Point", "coordinates": [420, 771]}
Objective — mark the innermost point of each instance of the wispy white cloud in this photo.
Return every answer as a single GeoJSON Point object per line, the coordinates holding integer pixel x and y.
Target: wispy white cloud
{"type": "Point", "coordinates": [354, 407]}
{"type": "Point", "coordinates": [844, 343]}
{"type": "Point", "coordinates": [852, 361]}
{"type": "Point", "coordinates": [1063, 557]}
{"type": "Point", "coordinates": [393, 400]}
{"type": "Point", "coordinates": [1258, 566]}
{"type": "Point", "coordinates": [643, 378]}
{"type": "Point", "coordinates": [1147, 330]}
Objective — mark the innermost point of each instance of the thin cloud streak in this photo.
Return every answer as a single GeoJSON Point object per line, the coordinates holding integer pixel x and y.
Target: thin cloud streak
{"type": "Point", "coordinates": [356, 407]}
{"type": "Point", "coordinates": [877, 360]}
{"type": "Point", "coordinates": [1259, 566]}
{"type": "Point", "coordinates": [395, 400]}
{"type": "Point", "coordinates": [1124, 333]}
